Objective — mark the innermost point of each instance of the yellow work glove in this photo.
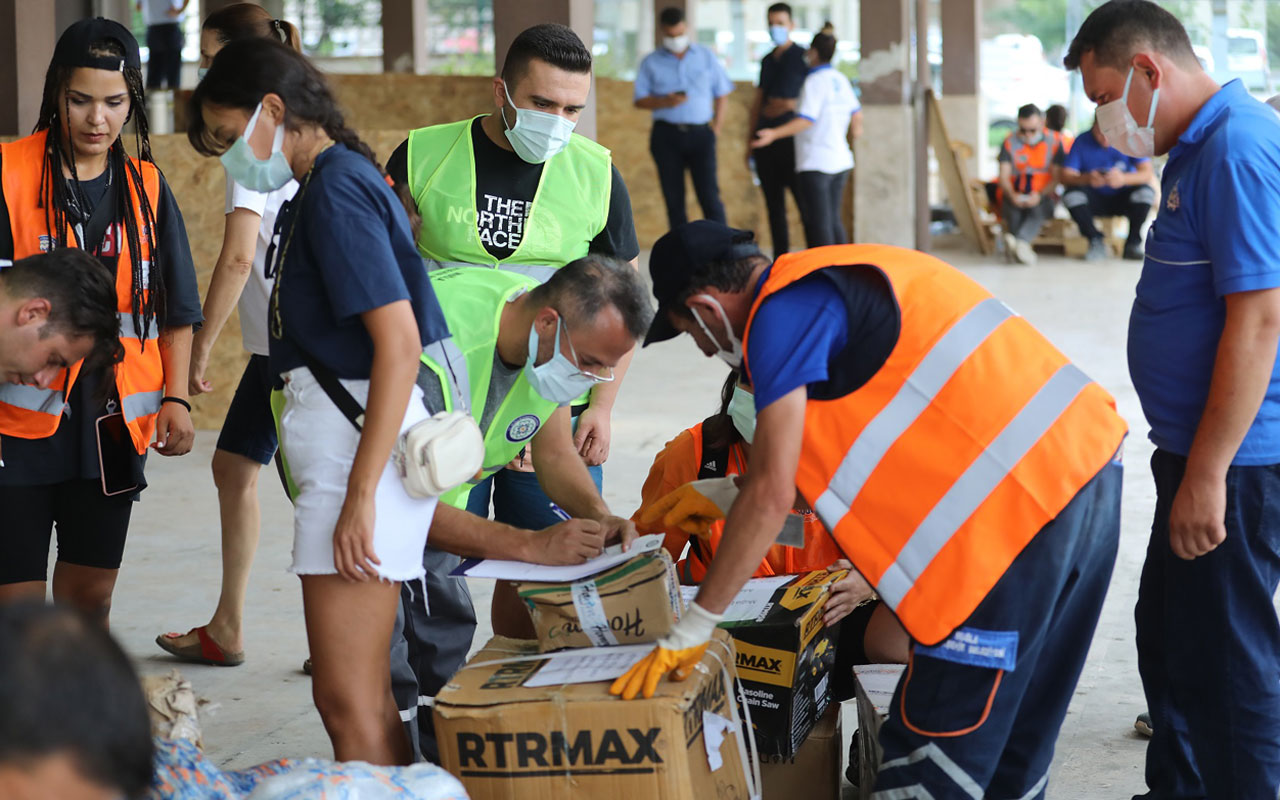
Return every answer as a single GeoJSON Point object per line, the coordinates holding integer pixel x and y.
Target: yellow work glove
{"type": "Point", "coordinates": [693, 507]}
{"type": "Point", "coordinates": [677, 653]}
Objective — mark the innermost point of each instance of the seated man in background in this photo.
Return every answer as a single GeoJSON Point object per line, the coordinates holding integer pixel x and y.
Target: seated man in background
{"type": "Point", "coordinates": [720, 446]}
{"type": "Point", "coordinates": [1030, 160]}
{"type": "Point", "coordinates": [1103, 182]}
{"type": "Point", "coordinates": [73, 721]}
{"type": "Point", "coordinates": [1055, 119]}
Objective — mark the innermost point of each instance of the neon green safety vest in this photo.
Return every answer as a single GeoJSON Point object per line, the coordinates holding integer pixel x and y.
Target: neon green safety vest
{"type": "Point", "coordinates": [473, 301]}
{"type": "Point", "coordinates": [570, 207]}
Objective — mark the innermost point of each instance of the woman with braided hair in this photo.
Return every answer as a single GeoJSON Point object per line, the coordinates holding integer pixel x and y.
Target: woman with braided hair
{"type": "Point", "coordinates": [72, 453]}
{"type": "Point", "coordinates": [350, 312]}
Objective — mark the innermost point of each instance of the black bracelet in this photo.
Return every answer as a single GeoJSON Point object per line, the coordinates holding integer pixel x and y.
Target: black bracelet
{"type": "Point", "coordinates": [177, 400]}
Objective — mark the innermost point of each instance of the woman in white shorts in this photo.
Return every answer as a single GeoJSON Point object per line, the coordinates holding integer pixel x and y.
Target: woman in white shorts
{"type": "Point", "coordinates": [351, 300]}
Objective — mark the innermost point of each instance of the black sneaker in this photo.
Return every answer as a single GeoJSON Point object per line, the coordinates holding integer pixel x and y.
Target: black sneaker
{"type": "Point", "coordinates": [1143, 724]}
{"type": "Point", "coordinates": [1133, 252]}
{"type": "Point", "coordinates": [851, 772]}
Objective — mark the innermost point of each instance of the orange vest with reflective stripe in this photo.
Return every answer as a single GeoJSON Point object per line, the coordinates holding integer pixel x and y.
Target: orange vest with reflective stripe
{"type": "Point", "coordinates": [1032, 163]}
{"type": "Point", "coordinates": [976, 432]}
{"type": "Point", "coordinates": [29, 412]}
{"type": "Point", "coordinates": [677, 464]}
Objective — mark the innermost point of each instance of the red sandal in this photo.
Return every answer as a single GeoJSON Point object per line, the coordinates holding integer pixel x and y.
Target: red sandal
{"type": "Point", "coordinates": [206, 652]}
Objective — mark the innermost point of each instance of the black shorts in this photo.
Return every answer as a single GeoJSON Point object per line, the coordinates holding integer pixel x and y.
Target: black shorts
{"type": "Point", "coordinates": [249, 429]}
{"type": "Point", "coordinates": [164, 62]}
{"type": "Point", "coordinates": [91, 528]}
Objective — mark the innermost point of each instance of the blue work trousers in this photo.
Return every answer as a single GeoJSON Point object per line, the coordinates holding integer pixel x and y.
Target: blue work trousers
{"type": "Point", "coordinates": [960, 730]}
{"type": "Point", "coordinates": [518, 498]}
{"type": "Point", "coordinates": [1209, 645]}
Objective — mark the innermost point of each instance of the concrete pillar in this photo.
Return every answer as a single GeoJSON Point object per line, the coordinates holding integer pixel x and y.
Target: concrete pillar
{"type": "Point", "coordinates": [68, 11]}
{"type": "Point", "coordinates": [404, 36]}
{"type": "Point", "coordinates": [961, 99]}
{"type": "Point", "coordinates": [885, 188]}
{"type": "Point", "coordinates": [27, 34]}
{"type": "Point", "coordinates": [119, 10]}
{"type": "Point", "coordinates": [510, 17]}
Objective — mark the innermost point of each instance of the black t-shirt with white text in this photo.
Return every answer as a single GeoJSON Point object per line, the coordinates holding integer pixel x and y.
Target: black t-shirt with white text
{"type": "Point", "coordinates": [505, 188]}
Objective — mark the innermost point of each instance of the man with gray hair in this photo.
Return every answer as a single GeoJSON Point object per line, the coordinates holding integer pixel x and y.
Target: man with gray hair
{"type": "Point", "coordinates": [1202, 355]}
{"type": "Point", "coordinates": [524, 351]}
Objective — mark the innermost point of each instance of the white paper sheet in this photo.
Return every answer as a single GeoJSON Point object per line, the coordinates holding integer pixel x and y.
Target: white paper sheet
{"type": "Point", "coordinates": [879, 682]}
{"type": "Point", "coordinates": [520, 571]}
{"type": "Point", "coordinates": [750, 601]}
{"type": "Point", "coordinates": [714, 729]}
{"type": "Point", "coordinates": [588, 665]}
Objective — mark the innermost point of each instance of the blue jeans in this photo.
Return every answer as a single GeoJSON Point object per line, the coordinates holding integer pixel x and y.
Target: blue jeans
{"type": "Point", "coordinates": [971, 731]}
{"type": "Point", "coordinates": [1209, 645]}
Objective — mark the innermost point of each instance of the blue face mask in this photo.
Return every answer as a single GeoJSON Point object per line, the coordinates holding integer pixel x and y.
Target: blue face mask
{"type": "Point", "coordinates": [537, 135]}
{"type": "Point", "coordinates": [779, 34]}
{"type": "Point", "coordinates": [201, 72]}
{"type": "Point", "coordinates": [251, 172]}
{"type": "Point", "coordinates": [559, 380]}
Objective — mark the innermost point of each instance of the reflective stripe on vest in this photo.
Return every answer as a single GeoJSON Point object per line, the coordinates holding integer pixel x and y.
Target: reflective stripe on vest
{"type": "Point", "coordinates": [539, 272]}
{"type": "Point", "coordinates": [32, 413]}
{"type": "Point", "coordinates": [975, 433]}
{"type": "Point", "coordinates": [569, 208]}
{"type": "Point", "coordinates": [979, 480]}
{"type": "Point", "coordinates": [446, 354]}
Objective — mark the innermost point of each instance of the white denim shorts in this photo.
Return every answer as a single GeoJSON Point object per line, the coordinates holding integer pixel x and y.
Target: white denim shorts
{"type": "Point", "coordinates": [319, 444]}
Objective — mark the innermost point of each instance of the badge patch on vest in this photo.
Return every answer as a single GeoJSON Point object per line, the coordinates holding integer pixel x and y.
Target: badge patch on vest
{"type": "Point", "coordinates": [46, 243]}
{"type": "Point", "coordinates": [523, 427]}
{"type": "Point", "coordinates": [977, 648]}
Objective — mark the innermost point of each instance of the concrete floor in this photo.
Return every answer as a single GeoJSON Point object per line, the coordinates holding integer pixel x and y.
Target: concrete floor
{"type": "Point", "coordinates": [263, 709]}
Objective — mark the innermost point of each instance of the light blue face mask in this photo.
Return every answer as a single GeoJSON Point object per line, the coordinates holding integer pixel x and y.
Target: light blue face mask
{"type": "Point", "coordinates": [254, 173]}
{"type": "Point", "coordinates": [559, 380]}
{"type": "Point", "coordinates": [742, 410]}
{"type": "Point", "coordinates": [779, 34]}
{"type": "Point", "coordinates": [537, 135]}
{"type": "Point", "coordinates": [200, 73]}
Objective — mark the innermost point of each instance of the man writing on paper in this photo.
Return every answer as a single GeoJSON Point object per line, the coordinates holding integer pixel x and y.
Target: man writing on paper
{"type": "Point", "coordinates": [521, 353]}
{"type": "Point", "coordinates": [961, 462]}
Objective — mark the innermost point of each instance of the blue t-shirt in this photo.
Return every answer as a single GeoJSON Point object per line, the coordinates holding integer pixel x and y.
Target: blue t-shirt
{"type": "Point", "coordinates": [800, 330]}
{"type": "Point", "coordinates": [1087, 155]}
{"type": "Point", "coordinates": [1215, 235]}
{"type": "Point", "coordinates": [698, 73]}
{"type": "Point", "coordinates": [352, 252]}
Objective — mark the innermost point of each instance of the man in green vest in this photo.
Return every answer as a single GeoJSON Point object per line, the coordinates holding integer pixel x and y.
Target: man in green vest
{"type": "Point", "coordinates": [520, 353]}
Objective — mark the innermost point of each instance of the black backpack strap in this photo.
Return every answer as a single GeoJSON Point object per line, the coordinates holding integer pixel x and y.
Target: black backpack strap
{"type": "Point", "coordinates": [333, 387]}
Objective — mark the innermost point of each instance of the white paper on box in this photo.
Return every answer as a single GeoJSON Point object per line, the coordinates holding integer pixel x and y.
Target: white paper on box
{"type": "Point", "coordinates": [588, 665]}
{"type": "Point", "coordinates": [879, 681]}
{"type": "Point", "coordinates": [612, 556]}
{"type": "Point", "coordinates": [750, 602]}
{"type": "Point", "coordinates": [714, 729]}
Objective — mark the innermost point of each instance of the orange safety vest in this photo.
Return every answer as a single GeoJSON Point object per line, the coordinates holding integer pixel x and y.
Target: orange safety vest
{"type": "Point", "coordinates": [680, 462]}
{"type": "Point", "coordinates": [976, 432]}
{"type": "Point", "coordinates": [1032, 163]}
{"type": "Point", "coordinates": [29, 412]}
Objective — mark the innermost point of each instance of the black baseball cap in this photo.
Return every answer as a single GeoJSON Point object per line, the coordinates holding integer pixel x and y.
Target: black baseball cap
{"type": "Point", "coordinates": [73, 48]}
{"type": "Point", "coordinates": [678, 253]}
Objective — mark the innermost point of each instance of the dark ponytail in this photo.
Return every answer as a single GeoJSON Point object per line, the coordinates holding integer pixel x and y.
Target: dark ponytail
{"type": "Point", "coordinates": [250, 21]}
{"type": "Point", "coordinates": [244, 72]}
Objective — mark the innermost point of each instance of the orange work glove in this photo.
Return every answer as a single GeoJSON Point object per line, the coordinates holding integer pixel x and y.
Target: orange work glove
{"type": "Point", "coordinates": [693, 507]}
{"type": "Point", "coordinates": [677, 653]}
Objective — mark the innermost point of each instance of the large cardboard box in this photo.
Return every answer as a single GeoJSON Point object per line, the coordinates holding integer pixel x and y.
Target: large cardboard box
{"type": "Point", "coordinates": [635, 602]}
{"type": "Point", "coordinates": [506, 740]}
{"type": "Point", "coordinates": [874, 685]}
{"type": "Point", "coordinates": [785, 656]}
{"type": "Point", "coordinates": [815, 767]}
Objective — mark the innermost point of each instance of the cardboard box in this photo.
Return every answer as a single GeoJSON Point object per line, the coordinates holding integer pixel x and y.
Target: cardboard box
{"type": "Point", "coordinates": [635, 602]}
{"type": "Point", "coordinates": [505, 740]}
{"type": "Point", "coordinates": [785, 656]}
{"type": "Point", "coordinates": [816, 765]}
{"type": "Point", "coordinates": [874, 685]}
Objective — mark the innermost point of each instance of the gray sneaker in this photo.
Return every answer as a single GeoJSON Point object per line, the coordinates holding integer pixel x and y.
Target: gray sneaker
{"type": "Point", "coordinates": [1023, 253]}
{"type": "Point", "coordinates": [1097, 250]}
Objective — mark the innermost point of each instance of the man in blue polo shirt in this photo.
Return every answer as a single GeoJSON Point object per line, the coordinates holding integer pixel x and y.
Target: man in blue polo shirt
{"type": "Point", "coordinates": [1202, 355]}
{"type": "Point", "coordinates": [1103, 182]}
{"type": "Point", "coordinates": [687, 89]}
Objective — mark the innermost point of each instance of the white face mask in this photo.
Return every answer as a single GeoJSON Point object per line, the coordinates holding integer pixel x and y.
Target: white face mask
{"type": "Point", "coordinates": [742, 410]}
{"type": "Point", "coordinates": [559, 380]}
{"type": "Point", "coordinates": [537, 135]}
{"type": "Point", "coordinates": [676, 44]}
{"type": "Point", "coordinates": [1120, 128]}
{"type": "Point", "coordinates": [732, 356]}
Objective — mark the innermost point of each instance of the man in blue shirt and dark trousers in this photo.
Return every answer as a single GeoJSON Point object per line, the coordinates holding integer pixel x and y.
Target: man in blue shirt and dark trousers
{"type": "Point", "coordinates": [1202, 355]}
{"type": "Point", "coordinates": [687, 89]}
{"type": "Point", "coordinates": [1103, 182]}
